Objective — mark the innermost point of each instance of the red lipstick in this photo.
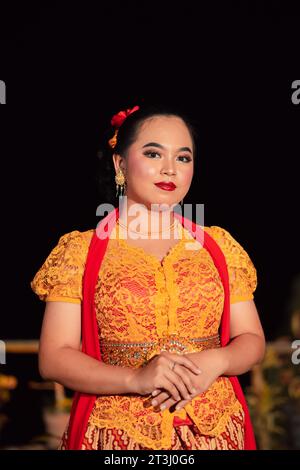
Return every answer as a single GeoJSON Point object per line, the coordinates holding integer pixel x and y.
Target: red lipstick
{"type": "Point", "coordinates": [166, 186]}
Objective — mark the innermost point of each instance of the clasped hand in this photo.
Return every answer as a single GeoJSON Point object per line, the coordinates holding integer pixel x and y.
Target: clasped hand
{"type": "Point", "coordinates": [189, 382]}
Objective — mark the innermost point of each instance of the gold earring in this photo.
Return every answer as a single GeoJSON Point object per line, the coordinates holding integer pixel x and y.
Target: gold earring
{"type": "Point", "coordinates": [120, 182]}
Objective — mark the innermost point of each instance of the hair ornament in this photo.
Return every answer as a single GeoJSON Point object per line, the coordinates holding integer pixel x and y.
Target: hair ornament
{"type": "Point", "coordinates": [117, 120]}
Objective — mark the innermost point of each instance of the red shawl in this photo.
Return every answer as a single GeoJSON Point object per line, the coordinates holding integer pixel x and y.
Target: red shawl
{"type": "Point", "coordinates": [83, 402]}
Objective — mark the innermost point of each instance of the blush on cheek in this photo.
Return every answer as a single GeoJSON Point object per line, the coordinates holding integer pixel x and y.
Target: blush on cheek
{"type": "Point", "coordinates": [141, 168]}
{"type": "Point", "coordinates": [187, 178]}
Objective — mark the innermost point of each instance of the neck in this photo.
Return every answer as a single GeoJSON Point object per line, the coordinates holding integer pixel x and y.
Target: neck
{"type": "Point", "coordinates": [138, 217]}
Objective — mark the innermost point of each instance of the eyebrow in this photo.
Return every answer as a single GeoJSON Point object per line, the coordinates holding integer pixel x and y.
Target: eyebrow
{"type": "Point", "coordinates": [155, 144]}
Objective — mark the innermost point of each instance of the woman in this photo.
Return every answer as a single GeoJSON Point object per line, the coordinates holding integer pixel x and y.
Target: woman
{"type": "Point", "coordinates": [167, 321]}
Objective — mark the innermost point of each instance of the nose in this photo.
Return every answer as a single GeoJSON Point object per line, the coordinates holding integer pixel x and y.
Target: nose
{"type": "Point", "coordinates": [170, 170]}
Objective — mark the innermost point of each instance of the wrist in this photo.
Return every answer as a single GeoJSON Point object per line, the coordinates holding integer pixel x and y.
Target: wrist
{"type": "Point", "coordinates": [224, 359]}
{"type": "Point", "coordinates": [219, 357]}
{"type": "Point", "coordinates": [130, 381]}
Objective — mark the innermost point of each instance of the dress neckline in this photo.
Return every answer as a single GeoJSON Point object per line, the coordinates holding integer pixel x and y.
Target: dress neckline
{"type": "Point", "coordinates": [170, 254]}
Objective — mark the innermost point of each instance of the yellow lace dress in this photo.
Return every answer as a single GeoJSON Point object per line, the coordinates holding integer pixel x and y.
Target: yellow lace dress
{"type": "Point", "coordinates": [144, 305]}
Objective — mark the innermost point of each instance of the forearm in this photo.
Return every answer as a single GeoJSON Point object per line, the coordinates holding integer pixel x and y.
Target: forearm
{"type": "Point", "coordinates": [80, 372]}
{"type": "Point", "coordinates": [240, 355]}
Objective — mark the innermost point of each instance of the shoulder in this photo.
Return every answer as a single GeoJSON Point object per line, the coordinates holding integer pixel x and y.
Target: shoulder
{"type": "Point", "coordinates": [242, 272]}
{"type": "Point", "coordinates": [234, 251]}
{"type": "Point", "coordinates": [76, 237]}
{"type": "Point", "coordinates": [222, 236]}
{"type": "Point", "coordinates": [217, 232]}
{"type": "Point", "coordinates": [74, 242]}
{"type": "Point", "coordinates": [71, 248]}
{"type": "Point", "coordinates": [60, 276]}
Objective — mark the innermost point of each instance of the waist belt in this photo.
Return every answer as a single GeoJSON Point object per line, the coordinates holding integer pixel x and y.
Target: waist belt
{"type": "Point", "coordinates": [138, 354]}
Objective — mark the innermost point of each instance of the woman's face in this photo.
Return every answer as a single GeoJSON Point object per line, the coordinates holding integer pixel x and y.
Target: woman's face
{"type": "Point", "coordinates": [162, 152]}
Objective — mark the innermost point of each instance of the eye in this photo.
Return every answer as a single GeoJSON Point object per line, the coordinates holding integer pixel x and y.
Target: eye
{"type": "Point", "coordinates": [188, 158]}
{"type": "Point", "coordinates": [151, 152]}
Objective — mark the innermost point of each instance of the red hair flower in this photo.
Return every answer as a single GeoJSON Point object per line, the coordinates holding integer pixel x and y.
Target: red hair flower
{"type": "Point", "coordinates": [118, 119]}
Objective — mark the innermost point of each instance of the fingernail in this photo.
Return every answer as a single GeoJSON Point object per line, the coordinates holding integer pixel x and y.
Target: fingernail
{"type": "Point", "coordinates": [154, 393]}
{"type": "Point", "coordinates": [194, 390]}
{"type": "Point", "coordinates": [199, 371]}
{"type": "Point", "coordinates": [162, 407]}
{"type": "Point", "coordinates": [154, 403]}
{"type": "Point", "coordinates": [178, 407]}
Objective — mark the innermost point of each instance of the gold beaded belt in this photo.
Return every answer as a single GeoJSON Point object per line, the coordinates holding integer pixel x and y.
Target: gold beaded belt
{"type": "Point", "coordinates": [138, 354]}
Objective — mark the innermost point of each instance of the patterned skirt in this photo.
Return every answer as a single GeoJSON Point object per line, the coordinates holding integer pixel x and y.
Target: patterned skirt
{"type": "Point", "coordinates": [184, 437]}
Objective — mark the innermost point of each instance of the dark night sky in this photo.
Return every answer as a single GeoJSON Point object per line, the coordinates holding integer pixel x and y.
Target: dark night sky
{"type": "Point", "coordinates": [68, 69]}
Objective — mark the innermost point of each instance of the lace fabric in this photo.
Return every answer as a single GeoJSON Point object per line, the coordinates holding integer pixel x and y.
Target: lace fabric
{"type": "Point", "coordinates": [183, 438]}
{"type": "Point", "coordinates": [241, 270]}
{"type": "Point", "coordinates": [60, 276]}
{"type": "Point", "coordinates": [140, 299]}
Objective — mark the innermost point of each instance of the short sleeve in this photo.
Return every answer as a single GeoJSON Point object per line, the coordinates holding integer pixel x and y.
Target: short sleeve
{"type": "Point", "coordinates": [60, 277]}
{"type": "Point", "coordinates": [241, 270]}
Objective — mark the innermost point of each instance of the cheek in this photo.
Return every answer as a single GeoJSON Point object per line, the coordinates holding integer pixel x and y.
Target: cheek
{"type": "Point", "coordinates": [140, 168]}
{"type": "Point", "coordinates": [186, 177]}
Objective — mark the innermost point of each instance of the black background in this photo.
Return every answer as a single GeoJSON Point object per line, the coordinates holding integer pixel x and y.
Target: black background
{"type": "Point", "coordinates": [68, 68]}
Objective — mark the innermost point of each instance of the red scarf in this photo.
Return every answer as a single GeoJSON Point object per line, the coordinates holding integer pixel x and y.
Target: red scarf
{"type": "Point", "coordinates": [83, 402]}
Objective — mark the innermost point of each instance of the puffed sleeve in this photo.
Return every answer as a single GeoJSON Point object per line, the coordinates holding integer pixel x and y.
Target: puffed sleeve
{"type": "Point", "coordinates": [241, 270]}
{"type": "Point", "coordinates": [60, 277]}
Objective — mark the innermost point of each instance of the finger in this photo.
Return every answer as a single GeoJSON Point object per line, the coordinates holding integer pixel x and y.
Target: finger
{"type": "Point", "coordinates": [164, 398]}
{"type": "Point", "coordinates": [170, 402]}
{"type": "Point", "coordinates": [160, 398]}
{"type": "Point", "coordinates": [170, 379]}
{"type": "Point", "coordinates": [185, 361]}
{"type": "Point", "coordinates": [181, 404]}
{"type": "Point", "coordinates": [166, 384]}
{"type": "Point", "coordinates": [186, 378]}
{"type": "Point", "coordinates": [178, 384]}
{"type": "Point", "coordinates": [167, 404]}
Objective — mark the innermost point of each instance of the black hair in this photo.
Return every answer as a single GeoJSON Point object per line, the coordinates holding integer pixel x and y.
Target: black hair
{"type": "Point", "coordinates": [127, 133]}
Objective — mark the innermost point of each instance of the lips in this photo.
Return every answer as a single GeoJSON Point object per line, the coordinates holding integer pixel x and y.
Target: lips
{"type": "Point", "coordinates": [166, 186]}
